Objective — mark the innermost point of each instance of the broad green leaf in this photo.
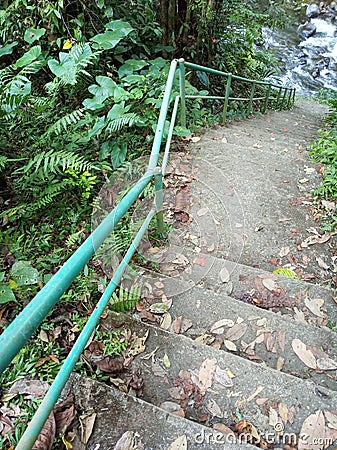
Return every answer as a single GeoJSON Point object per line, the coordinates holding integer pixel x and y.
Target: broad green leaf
{"type": "Point", "coordinates": [30, 56]}
{"type": "Point", "coordinates": [117, 30]}
{"type": "Point", "coordinates": [20, 86]}
{"type": "Point", "coordinates": [6, 294]}
{"type": "Point", "coordinates": [116, 111]}
{"type": "Point", "coordinates": [23, 273]}
{"type": "Point", "coordinates": [119, 27]}
{"type": "Point", "coordinates": [34, 34]}
{"type": "Point", "coordinates": [93, 104]}
{"type": "Point", "coordinates": [118, 154]}
{"type": "Point", "coordinates": [181, 131]}
{"type": "Point", "coordinates": [203, 78]}
{"type": "Point", "coordinates": [66, 70]}
{"type": "Point", "coordinates": [130, 66]}
{"type": "Point", "coordinates": [104, 88]}
{"type": "Point", "coordinates": [2, 276]}
{"type": "Point", "coordinates": [7, 49]}
{"type": "Point", "coordinates": [105, 151]}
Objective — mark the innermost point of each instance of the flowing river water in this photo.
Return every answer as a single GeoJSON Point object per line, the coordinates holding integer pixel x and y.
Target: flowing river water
{"type": "Point", "coordinates": [308, 64]}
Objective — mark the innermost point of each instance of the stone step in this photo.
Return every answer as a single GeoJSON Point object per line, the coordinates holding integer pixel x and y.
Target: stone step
{"type": "Point", "coordinates": [254, 333]}
{"type": "Point", "coordinates": [152, 428]}
{"type": "Point", "coordinates": [298, 300]}
{"type": "Point", "coordinates": [210, 386]}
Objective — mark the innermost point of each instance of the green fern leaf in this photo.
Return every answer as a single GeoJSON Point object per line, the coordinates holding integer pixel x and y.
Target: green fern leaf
{"type": "Point", "coordinates": [66, 121]}
{"type": "Point", "coordinates": [126, 299]}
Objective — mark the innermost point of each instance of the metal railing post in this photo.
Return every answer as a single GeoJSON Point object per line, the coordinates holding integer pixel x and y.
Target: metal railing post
{"type": "Point", "coordinates": [159, 198]}
{"type": "Point", "coordinates": [284, 98]}
{"type": "Point", "coordinates": [250, 104]}
{"type": "Point", "coordinates": [278, 97]}
{"type": "Point", "coordinates": [265, 106]}
{"type": "Point", "coordinates": [225, 107]}
{"type": "Point", "coordinates": [182, 92]}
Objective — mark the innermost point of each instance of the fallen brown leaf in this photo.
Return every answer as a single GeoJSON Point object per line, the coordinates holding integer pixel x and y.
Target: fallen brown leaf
{"type": "Point", "coordinates": [313, 428]}
{"type": "Point", "coordinates": [87, 422]}
{"type": "Point", "coordinates": [305, 355]}
{"type": "Point", "coordinates": [110, 365]}
{"type": "Point", "coordinates": [206, 373]}
{"type": "Point", "coordinates": [237, 331]}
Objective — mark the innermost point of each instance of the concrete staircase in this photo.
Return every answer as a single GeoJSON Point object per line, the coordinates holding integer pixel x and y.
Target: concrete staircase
{"type": "Point", "coordinates": [223, 352]}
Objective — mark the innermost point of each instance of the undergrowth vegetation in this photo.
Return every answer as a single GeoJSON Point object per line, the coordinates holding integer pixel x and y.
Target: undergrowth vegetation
{"type": "Point", "coordinates": [324, 152]}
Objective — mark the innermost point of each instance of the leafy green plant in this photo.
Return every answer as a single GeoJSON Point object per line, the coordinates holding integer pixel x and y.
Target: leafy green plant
{"type": "Point", "coordinates": [126, 299]}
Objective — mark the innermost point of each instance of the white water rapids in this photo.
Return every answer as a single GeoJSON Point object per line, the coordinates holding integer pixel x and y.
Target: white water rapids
{"type": "Point", "coordinates": [306, 64]}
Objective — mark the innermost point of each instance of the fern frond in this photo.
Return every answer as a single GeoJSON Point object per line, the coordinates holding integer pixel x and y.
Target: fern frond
{"type": "Point", "coordinates": [48, 195]}
{"type": "Point", "coordinates": [53, 162]}
{"type": "Point", "coordinates": [126, 299]}
{"type": "Point", "coordinates": [117, 124]}
{"type": "Point", "coordinates": [45, 197]}
{"type": "Point", "coordinates": [32, 68]}
{"type": "Point", "coordinates": [66, 121]}
{"type": "Point", "coordinates": [3, 161]}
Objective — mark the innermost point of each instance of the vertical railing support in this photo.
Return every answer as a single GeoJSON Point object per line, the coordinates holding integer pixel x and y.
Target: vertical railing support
{"type": "Point", "coordinates": [225, 106]}
{"type": "Point", "coordinates": [265, 106]}
{"type": "Point", "coordinates": [159, 198]}
{"type": "Point", "coordinates": [289, 98]}
{"type": "Point", "coordinates": [250, 104]}
{"type": "Point", "coordinates": [278, 98]}
{"type": "Point", "coordinates": [284, 98]}
{"type": "Point", "coordinates": [182, 92]}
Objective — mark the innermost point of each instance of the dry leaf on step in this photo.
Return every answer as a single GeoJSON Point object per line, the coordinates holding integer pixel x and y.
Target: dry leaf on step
{"type": "Point", "coordinates": [273, 417]}
{"type": "Point", "coordinates": [269, 284]}
{"type": "Point", "coordinates": [326, 364]}
{"type": "Point", "coordinates": [284, 251]}
{"type": "Point", "coordinates": [214, 408]}
{"type": "Point", "coordinates": [126, 441]}
{"type": "Point", "coordinates": [223, 429]}
{"type": "Point", "coordinates": [173, 408]}
{"type": "Point", "coordinates": [221, 323]}
{"type": "Point", "coordinates": [87, 424]}
{"type": "Point", "coordinates": [224, 275]}
{"type": "Point", "coordinates": [312, 431]}
{"type": "Point", "coordinates": [179, 444]}
{"type": "Point", "coordinates": [236, 332]}
{"type": "Point", "coordinates": [176, 324]}
{"type": "Point", "coordinates": [195, 139]}
{"type": "Point", "coordinates": [281, 339]}
{"type": "Point", "coordinates": [305, 355]}
{"type": "Point", "coordinates": [283, 412]}
{"type": "Point", "coordinates": [223, 377]}
{"type": "Point", "coordinates": [166, 321]}
{"type": "Point", "coordinates": [206, 373]}
{"type": "Point", "coordinates": [230, 345]}
{"type": "Point", "coordinates": [332, 419]}
{"type": "Point", "coordinates": [322, 264]}
{"type": "Point", "coordinates": [280, 363]}
{"type": "Point", "coordinates": [314, 305]}
{"type": "Point", "coordinates": [202, 212]}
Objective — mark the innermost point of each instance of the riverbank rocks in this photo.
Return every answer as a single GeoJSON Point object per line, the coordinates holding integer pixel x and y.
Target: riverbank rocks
{"type": "Point", "coordinates": [306, 30]}
{"type": "Point", "coordinates": [312, 11]}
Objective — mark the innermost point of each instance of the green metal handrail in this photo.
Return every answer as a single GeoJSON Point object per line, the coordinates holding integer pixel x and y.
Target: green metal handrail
{"type": "Point", "coordinates": [27, 322]}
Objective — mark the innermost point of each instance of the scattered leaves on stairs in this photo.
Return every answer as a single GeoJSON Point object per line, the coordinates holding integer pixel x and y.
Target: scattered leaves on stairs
{"type": "Point", "coordinates": [313, 427]}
